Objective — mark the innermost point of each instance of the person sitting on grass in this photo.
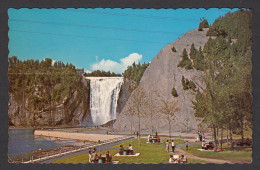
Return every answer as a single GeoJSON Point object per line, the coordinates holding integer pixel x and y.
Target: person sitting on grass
{"type": "Point", "coordinates": [89, 155]}
{"type": "Point", "coordinates": [108, 157]}
{"type": "Point", "coordinates": [94, 156]}
{"type": "Point", "coordinates": [183, 159]}
{"type": "Point", "coordinates": [171, 161]}
{"type": "Point", "coordinates": [187, 145]}
{"type": "Point", "coordinates": [158, 139]}
{"type": "Point", "coordinates": [121, 150]}
{"type": "Point", "coordinates": [130, 148]}
{"type": "Point", "coordinates": [203, 144]}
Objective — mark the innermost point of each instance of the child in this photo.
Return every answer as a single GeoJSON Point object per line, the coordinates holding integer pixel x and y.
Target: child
{"type": "Point", "coordinates": [167, 146]}
{"type": "Point", "coordinates": [187, 145]}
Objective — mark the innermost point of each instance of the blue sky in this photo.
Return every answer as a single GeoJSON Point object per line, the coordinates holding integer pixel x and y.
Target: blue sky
{"type": "Point", "coordinates": [105, 39]}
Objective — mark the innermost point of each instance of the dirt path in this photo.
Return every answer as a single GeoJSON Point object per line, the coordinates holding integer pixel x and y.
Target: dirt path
{"type": "Point", "coordinates": [212, 160]}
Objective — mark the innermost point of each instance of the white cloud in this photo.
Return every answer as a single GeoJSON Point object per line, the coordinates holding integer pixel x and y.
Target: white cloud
{"type": "Point", "coordinates": [87, 71]}
{"type": "Point", "coordinates": [117, 67]}
{"type": "Point", "coordinates": [53, 62]}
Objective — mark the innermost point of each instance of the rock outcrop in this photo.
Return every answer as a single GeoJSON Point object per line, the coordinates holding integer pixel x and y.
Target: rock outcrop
{"type": "Point", "coordinates": [72, 111]}
{"type": "Point", "coordinates": [159, 78]}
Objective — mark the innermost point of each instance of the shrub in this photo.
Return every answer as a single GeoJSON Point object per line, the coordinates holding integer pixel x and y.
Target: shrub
{"type": "Point", "coordinates": [185, 62]}
{"type": "Point", "coordinates": [173, 49]}
{"type": "Point", "coordinates": [188, 84]}
{"type": "Point", "coordinates": [174, 92]}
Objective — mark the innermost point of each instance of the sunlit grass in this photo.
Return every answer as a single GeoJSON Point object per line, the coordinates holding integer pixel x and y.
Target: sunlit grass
{"type": "Point", "coordinates": [239, 154]}
{"type": "Point", "coordinates": [150, 153]}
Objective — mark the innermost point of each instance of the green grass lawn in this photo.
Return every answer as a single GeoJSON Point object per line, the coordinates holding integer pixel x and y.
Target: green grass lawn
{"type": "Point", "coordinates": [242, 154]}
{"type": "Point", "coordinates": [150, 153]}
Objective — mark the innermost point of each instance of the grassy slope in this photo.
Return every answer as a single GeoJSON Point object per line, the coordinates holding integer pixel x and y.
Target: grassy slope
{"type": "Point", "coordinates": [150, 153]}
{"type": "Point", "coordinates": [244, 154]}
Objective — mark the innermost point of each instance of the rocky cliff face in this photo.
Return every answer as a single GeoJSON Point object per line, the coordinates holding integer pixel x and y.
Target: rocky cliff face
{"type": "Point", "coordinates": [124, 94]}
{"type": "Point", "coordinates": [72, 111]}
{"type": "Point", "coordinates": [160, 77]}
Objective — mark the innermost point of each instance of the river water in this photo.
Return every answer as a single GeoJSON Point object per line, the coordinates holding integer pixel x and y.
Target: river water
{"type": "Point", "coordinates": [23, 140]}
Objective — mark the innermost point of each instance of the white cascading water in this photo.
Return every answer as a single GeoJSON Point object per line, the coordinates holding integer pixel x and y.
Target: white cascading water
{"type": "Point", "coordinates": [104, 93]}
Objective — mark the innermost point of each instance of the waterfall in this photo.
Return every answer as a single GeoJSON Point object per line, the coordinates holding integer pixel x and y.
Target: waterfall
{"type": "Point", "coordinates": [104, 93]}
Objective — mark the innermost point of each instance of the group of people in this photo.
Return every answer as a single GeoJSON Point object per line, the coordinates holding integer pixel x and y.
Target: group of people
{"type": "Point", "coordinates": [129, 150]}
{"type": "Point", "coordinates": [201, 136]}
{"type": "Point", "coordinates": [182, 159]}
{"type": "Point", "coordinates": [167, 146]}
{"type": "Point", "coordinates": [94, 157]}
{"type": "Point", "coordinates": [156, 138]}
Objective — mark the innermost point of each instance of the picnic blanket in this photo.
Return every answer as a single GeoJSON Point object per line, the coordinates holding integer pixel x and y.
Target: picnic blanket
{"type": "Point", "coordinates": [135, 154]}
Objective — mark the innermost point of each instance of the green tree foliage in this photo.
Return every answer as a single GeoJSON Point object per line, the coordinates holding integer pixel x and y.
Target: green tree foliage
{"type": "Point", "coordinates": [185, 62]}
{"type": "Point", "coordinates": [43, 84]}
{"type": "Point", "coordinates": [135, 72]}
{"type": "Point", "coordinates": [174, 92]}
{"type": "Point", "coordinates": [203, 24]}
{"type": "Point", "coordinates": [174, 49]}
{"type": "Point", "coordinates": [226, 101]}
{"type": "Point", "coordinates": [98, 73]}
{"type": "Point", "coordinates": [188, 84]}
{"type": "Point", "coordinates": [197, 57]}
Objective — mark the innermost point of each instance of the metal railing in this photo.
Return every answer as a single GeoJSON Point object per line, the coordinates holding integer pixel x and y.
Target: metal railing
{"type": "Point", "coordinates": [67, 151]}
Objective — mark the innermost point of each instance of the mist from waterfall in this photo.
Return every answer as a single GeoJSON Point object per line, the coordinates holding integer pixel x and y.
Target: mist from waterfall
{"type": "Point", "coordinates": [104, 93]}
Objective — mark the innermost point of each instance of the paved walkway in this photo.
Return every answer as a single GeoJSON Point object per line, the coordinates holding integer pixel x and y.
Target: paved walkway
{"type": "Point", "coordinates": [211, 160]}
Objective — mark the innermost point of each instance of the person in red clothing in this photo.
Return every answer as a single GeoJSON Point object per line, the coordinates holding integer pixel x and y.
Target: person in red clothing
{"type": "Point", "coordinates": [158, 139]}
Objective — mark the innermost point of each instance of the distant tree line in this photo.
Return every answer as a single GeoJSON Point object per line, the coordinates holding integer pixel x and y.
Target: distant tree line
{"type": "Point", "coordinates": [135, 71]}
{"type": "Point", "coordinates": [98, 73]}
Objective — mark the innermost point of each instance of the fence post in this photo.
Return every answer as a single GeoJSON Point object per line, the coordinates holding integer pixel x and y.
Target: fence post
{"type": "Point", "coordinates": [32, 158]}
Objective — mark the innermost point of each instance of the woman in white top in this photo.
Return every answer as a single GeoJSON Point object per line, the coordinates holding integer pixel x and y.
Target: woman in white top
{"type": "Point", "coordinates": [171, 161]}
{"type": "Point", "coordinates": [173, 146]}
{"type": "Point", "coordinates": [148, 138]}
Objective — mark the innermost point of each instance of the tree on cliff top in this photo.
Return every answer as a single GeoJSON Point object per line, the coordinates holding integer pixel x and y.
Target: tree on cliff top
{"type": "Point", "coordinates": [203, 24]}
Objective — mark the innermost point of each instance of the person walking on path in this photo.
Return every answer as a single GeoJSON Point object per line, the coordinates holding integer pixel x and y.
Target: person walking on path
{"type": "Point", "coordinates": [187, 145]}
{"type": "Point", "coordinates": [167, 146]}
{"type": "Point", "coordinates": [203, 136]}
{"type": "Point", "coordinates": [173, 146]}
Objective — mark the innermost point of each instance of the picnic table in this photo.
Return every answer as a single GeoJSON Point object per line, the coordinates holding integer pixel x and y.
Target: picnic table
{"type": "Point", "coordinates": [178, 159]}
{"type": "Point", "coordinates": [103, 159]}
{"type": "Point", "coordinates": [128, 152]}
{"type": "Point", "coordinates": [154, 139]}
{"type": "Point", "coordinates": [207, 146]}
